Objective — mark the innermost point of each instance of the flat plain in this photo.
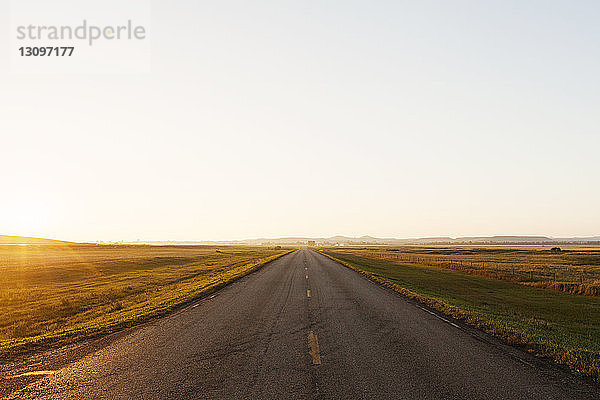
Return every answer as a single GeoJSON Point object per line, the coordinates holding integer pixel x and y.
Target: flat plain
{"type": "Point", "coordinates": [55, 294]}
{"type": "Point", "coordinates": [265, 337]}
{"type": "Point", "coordinates": [573, 269]}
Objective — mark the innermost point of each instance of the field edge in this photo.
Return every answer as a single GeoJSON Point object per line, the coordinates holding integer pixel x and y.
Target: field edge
{"type": "Point", "coordinates": [35, 345]}
{"type": "Point", "coordinates": [562, 360]}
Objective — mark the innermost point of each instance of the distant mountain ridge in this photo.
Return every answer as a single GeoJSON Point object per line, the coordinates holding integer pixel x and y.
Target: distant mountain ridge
{"type": "Point", "coordinates": [336, 240]}
{"type": "Point", "coordinates": [364, 240]}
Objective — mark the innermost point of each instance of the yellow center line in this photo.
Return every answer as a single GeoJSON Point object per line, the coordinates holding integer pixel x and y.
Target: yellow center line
{"type": "Point", "coordinates": [307, 292]}
{"type": "Point", "coordinates": [313, 345]}
{"type": "Point", "coordinates": [306, 276]}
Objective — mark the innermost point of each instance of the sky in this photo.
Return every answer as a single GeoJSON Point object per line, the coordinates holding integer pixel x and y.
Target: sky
{"type": "Point", "coordinates": [239, 119]}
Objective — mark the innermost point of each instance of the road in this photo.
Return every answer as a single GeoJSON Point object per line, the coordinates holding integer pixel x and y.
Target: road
{"type": "Point", "coordinates": [305, 327]}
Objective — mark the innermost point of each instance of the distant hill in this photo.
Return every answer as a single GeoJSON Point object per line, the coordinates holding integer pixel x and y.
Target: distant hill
{"type": "Point", "coordinates": [340, 240]}
{"type": "Point", "coordinates": [4, 239]}
{"type": "Point", "coordinates": [583, 239]}
{"type": "Point", "coordinates": [369, 240]}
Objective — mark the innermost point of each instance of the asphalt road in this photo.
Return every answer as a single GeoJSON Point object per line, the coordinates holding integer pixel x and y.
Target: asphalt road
{"type": "Point", "coordinates": [267, 337]}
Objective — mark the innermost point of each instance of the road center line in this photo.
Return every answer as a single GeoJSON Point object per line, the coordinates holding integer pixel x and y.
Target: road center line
{"type": "Point", "coordinates": [307, 292]}
{"type": "Point", "coordinates": [313, 345]}
{"type": "Point", "coordinates": [306, 276]}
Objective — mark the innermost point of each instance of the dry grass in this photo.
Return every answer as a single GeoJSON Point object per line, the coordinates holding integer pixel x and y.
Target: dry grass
{"type": "Point", "coordinates": [572, 270]}
{"type": "Point", "coordinates": [562, 326]}
{"type": "Point", "coordinates": [57, 294]}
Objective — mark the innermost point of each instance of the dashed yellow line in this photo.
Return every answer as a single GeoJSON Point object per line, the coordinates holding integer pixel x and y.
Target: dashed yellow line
{"type": "Point", "coordinates": [307, 292]}
{"type": "Point", "coordinates": [306, 276]}
{"type": "Point", "coordinates": [313, 345]}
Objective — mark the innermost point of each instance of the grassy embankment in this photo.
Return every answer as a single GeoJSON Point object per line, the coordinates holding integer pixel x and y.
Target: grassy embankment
{"type": "Point", "coordinates": [58, 294]}
{"type": "Point", "coordinates": [564, 327]}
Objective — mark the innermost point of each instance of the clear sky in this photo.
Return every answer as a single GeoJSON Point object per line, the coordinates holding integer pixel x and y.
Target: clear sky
{"type": "Point", "coordinates": [277, 118]}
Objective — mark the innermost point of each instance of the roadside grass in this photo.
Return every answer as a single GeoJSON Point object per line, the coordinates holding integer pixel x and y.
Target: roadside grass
{"type": "Point", "coordinates": [573, 269]}
{"type": "Point", "coordinates": [52, 295]}
{"type": "Point", "coordinates": [560, 326]}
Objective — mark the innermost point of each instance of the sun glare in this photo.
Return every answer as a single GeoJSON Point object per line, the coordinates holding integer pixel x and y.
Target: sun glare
{"type": "Point", "coordinates": [25, 216]}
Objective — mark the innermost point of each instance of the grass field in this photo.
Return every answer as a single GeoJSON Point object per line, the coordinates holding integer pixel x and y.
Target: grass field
{"type": "Point", "coordinates": [573, 269]}
{"type": "Point", "coordinates": [564, 327]}
{"type": "Point", "coordinates": [57, 294]}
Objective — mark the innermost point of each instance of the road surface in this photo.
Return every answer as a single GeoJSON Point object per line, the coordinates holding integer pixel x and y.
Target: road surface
{"type": "Point", "coordinates": [305, 327]}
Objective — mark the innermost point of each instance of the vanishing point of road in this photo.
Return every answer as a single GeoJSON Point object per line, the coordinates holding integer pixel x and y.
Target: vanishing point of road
{"type": "Point", "coordinates": [306, 327]}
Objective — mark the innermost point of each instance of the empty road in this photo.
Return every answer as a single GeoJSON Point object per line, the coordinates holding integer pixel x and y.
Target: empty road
{"type": "Point", "coordinates": [305, 327]}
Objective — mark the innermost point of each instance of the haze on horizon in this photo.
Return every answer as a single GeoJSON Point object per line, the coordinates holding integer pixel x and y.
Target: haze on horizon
{"type": "Point", "coordinates": [263, 119]}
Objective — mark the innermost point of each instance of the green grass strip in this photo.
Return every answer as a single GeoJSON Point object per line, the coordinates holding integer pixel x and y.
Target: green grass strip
{"type": "Point", "coordinates": [560, 326]}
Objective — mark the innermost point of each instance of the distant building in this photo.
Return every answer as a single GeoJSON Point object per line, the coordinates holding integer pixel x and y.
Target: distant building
{"type": "Point", "coordinates": [311, 243]}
